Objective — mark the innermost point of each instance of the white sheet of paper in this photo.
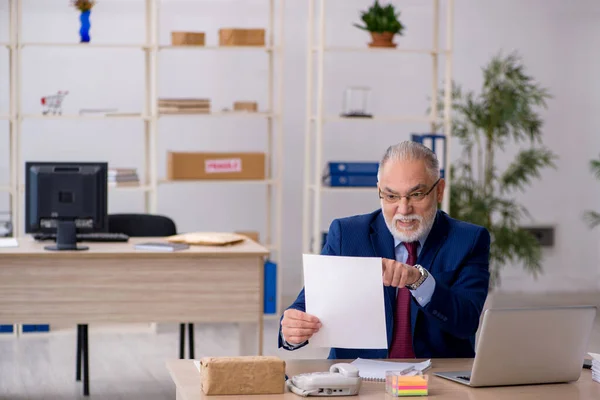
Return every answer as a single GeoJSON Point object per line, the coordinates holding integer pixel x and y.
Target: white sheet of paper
{"type": "Point", "coordinates": [9, 242]}
{"type": "Point", "coordinates": [346, 294]}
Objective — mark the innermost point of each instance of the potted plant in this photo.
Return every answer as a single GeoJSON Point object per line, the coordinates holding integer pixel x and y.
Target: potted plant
{"type": "Point", "coordinates": [383, 23]}
{"type": "Point", "coordinates": [85, 7]}
{"type": "Point", "coordinates": [593, 217]}
{"type": "Point", "coordinates": [481, 191]}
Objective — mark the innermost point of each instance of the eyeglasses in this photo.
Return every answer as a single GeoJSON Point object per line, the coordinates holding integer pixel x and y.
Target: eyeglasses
{"type": "Point", "coordinates": [414, 197]}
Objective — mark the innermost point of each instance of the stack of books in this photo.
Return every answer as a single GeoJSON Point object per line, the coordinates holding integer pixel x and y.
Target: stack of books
{"type": "Point", "coordinates": [595, 367]}
{"type": "Point", "coordinates": [184, 106]}
{"type": "Point", "coordinates": [123, 177]}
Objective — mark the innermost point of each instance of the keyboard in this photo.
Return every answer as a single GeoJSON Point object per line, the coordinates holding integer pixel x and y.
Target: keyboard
{"type": "Point", "coordinates": [87, 237]}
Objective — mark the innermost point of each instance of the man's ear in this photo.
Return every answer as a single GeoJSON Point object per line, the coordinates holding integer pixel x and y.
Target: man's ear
{"type": "Point", "coordinates": [440, 190]}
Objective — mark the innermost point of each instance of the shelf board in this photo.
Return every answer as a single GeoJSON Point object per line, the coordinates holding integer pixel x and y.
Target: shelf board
{"type": "Point", "coordinates": [271, 317]}
{"type": "Point", "coordinates": [84, 45]}
{"type": "Point", "coordinates": [218, 48]}
{"type": "Point", "coordinates": [221, 114]}
{"type": "Point", "coordinates": [344, 188]}
{"type": "Point", "coordinates": [138, 188]}
{"type": "Point", "coordinates": [5, 44]}
{"type": "Point", "coordinates": [382, 118]}
{"type": "Point", "coordinates": [366, 49]}
{"type": "Point", "coordinates": [220, 181]}
{"type": "Point", "coordinates": [88, 116]}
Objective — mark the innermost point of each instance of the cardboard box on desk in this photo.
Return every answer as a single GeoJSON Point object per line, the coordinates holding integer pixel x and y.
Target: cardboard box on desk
{"type": "Point", "coordinates": [242, 375]}
{"type": "Point", "coordinates": [252, 235]}
{"type": "Point", "coordinates": [234, 166]}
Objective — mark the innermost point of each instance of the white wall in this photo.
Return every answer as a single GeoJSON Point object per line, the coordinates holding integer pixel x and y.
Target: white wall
{"type": "Point", "coordinates": [557, 39]}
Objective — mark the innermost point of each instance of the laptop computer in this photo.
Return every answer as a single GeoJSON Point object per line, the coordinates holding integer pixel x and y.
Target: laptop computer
{"type": "Point", "coordinates": [529, 346]}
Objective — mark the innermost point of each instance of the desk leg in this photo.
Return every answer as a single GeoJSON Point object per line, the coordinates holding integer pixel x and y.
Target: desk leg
{"type": "Point", "coordinates": [261, 310]}
{"type": "Point", "coordinates": [86, 366]}
{"type": "Point", "coordinates": [181, 341]}
{"type": "Point", "coordinates": [260, 335]}
{"type": "Point", "coordinates": [79, 354]}
{"type": "Point", "coordinates": [191, 332]}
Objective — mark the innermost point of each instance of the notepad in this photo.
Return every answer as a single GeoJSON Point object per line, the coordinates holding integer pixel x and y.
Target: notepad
{"type": "Point", "coordinates": [374, 370]}
{"type": "Point", "coordinates": [595, 367]}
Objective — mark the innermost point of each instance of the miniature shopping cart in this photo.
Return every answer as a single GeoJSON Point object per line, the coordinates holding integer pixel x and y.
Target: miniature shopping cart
{"type": "Point", "coordinates": [53, 103]}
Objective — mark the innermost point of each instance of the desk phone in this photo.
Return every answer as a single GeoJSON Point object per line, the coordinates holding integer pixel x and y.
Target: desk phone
{"type": "Point", "coordinates": [341, 380]}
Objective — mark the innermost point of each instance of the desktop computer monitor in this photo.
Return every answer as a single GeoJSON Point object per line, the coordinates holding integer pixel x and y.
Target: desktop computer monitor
{"type": "Point", "coordinates": [66, 198]}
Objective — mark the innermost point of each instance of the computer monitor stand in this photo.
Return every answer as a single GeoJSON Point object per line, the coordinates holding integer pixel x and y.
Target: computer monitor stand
{"type": "Point", "coordinates": [66, 237]}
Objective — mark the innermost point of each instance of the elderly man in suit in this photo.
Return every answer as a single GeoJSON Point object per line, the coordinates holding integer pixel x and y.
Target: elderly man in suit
{"type": "Point", "coordinates": [435, 269]}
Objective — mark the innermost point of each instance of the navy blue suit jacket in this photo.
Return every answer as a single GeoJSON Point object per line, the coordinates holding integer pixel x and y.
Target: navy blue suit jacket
{"type": "Point", "coordinates": [456, 253]}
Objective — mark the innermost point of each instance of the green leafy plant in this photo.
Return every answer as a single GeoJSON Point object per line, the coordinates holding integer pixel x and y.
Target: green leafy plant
{"type": "Point", "coordinates": [593, 217]}
{"type": "Point", "coordinates": [503, 113]}
{"type": "Point", "coordinates": [381, 19]}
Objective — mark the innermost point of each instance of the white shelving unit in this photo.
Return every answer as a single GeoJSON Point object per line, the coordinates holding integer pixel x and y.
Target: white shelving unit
{"type": "Point", "coordinates": [150, 116]}
{"type": "Point", "coordinates": [314, 162]}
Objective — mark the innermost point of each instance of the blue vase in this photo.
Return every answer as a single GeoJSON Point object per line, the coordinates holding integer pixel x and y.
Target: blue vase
{"type": "Point", "coordinates": [84, 31]}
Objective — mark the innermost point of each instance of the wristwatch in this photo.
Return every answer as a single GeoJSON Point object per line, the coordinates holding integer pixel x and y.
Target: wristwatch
{"type": "Point", "coordinates": [419, 282]}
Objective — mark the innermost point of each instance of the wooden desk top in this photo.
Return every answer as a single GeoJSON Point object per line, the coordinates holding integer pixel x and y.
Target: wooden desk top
{"type": "Point", "coordinates": [30, 248]}
{"type": "Point", "coordinates": [187, 380]}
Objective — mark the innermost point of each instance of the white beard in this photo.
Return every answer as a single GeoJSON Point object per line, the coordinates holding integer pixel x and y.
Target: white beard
{"type": "Point", "coordinates": [413, 235]}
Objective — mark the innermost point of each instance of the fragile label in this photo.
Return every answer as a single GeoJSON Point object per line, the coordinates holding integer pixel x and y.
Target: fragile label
{"type": "Point", "coordinates": [223, 165]}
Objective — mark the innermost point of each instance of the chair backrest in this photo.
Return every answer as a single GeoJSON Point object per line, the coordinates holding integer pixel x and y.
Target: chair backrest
{"type": "Point", "coordinates": [141, 225]}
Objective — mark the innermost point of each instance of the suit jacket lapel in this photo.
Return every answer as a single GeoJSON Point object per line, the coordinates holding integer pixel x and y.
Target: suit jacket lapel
{"type": "Point", "coordinates": [435, 239]}
{"type": "Point", "coordinates": [383, 246]}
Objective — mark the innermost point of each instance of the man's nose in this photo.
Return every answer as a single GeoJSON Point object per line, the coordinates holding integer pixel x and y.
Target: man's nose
{"type": "Point", "coordinates": [404, 206]}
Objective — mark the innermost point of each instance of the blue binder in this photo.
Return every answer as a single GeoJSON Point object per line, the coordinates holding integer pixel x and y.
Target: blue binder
{"type": "Point", "coordinates": [353, 180]}
{"type": "Point", "coordinates": [437, 144]}
{"type": "Point", "coordinates": [270, 287]}
{"type": "Point", "coordinates": [6, 329]}
{"type": "Point", "coordinates": [353, 168]}
{"type": "Point", "coordinates": [36, 328]}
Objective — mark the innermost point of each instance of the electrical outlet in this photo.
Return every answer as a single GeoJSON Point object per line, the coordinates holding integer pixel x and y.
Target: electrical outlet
{"type": "Point", "coordinates": [544, 234]}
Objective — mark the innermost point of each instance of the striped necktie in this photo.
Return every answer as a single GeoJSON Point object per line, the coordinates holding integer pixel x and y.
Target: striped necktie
{"type": "Point", "coordinates": [402, 341]}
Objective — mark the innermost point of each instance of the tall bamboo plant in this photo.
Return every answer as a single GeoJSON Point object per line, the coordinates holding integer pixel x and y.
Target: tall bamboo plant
{"type": "Point", "coordinates": [504, 112]}
{"type": "Point", "coordinates": [593, 217]}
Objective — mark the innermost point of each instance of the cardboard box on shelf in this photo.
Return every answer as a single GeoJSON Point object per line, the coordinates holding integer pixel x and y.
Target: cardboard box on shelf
{"type": "Point", "coordinates": [215, 166]}
{"type": "Point", "coordinates": [241, 37]}
{"type": "Point", "coordinates": [245, 106]}
{"type": "Point", "coordinates": [187, 38]}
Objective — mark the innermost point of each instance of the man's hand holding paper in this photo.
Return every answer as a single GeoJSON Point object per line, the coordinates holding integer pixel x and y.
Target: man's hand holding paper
{"type": "Point", "coordinates": [346, 295]}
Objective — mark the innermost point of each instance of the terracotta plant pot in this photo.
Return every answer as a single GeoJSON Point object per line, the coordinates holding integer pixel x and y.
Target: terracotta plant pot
{"type": "Point", "coordinates": [384, 39]}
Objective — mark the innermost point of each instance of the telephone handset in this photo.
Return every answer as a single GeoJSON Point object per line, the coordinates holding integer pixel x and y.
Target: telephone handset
{"type": "Point", "coordinates": [341, 380]}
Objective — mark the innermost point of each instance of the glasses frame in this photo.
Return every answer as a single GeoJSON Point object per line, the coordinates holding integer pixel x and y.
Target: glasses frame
{"type": "Point", "coordinates": [408, 196]}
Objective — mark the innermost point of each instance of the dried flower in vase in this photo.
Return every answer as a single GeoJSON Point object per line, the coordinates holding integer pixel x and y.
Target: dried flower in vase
{"type": "Point", "coordinates": [83, 5]}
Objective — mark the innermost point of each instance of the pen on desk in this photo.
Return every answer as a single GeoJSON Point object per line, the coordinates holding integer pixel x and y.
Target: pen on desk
{"type": "Point", "coordinates": [407, 370]}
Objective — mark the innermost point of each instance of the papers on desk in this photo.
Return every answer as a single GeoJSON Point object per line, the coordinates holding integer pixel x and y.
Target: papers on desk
{"type": "Point", "coordinates": [346, 294]}
{"type": "Point", "coordinates": [374, 370]}
{"type": "Point", "coordinates": [161, 246]}
{"type": "Point", "coordinates": [8, 242]}
{"type": "Point", "coordinates": [595, 366]}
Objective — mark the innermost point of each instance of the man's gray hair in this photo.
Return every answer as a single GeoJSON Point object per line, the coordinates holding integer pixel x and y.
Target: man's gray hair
{"type": "Point", "coordinates": [412, 151]}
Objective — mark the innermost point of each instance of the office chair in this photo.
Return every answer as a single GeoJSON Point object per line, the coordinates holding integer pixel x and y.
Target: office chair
{"type": "Point", "coordinates": [135, 225]}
